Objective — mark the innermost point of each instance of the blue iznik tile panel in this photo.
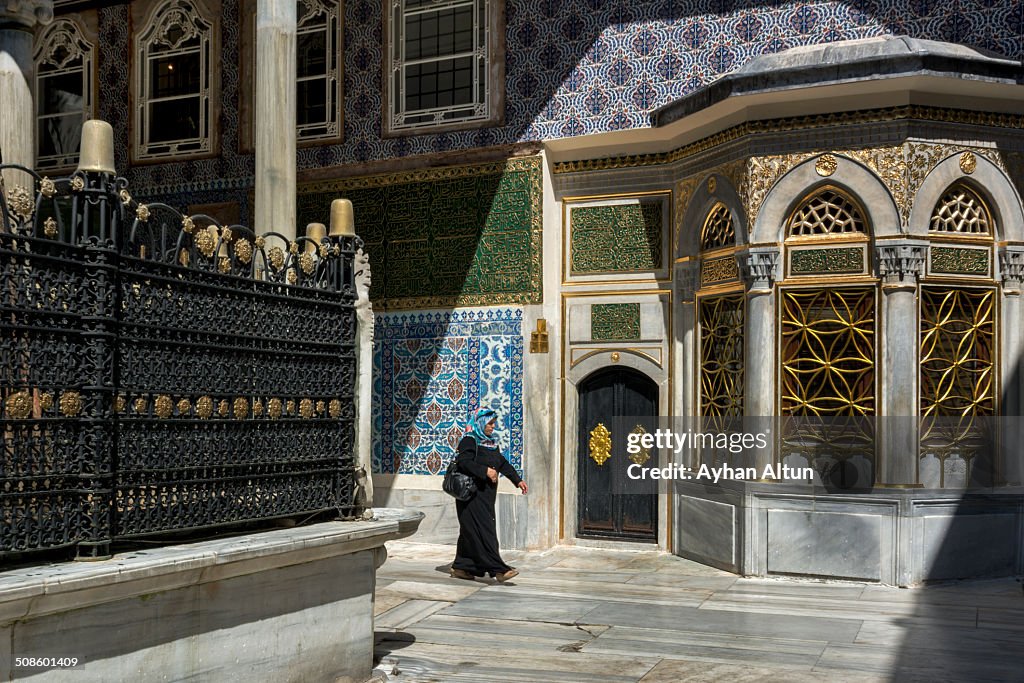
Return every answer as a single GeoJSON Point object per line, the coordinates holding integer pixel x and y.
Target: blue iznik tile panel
{"type": "Point", "coordinates": [573, 67]}
{"type": "Point", "coordinates": [431, 371]}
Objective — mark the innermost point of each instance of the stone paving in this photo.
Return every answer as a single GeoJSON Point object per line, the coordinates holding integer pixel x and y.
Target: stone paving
{"type": "Point", "coordinates": [581, 614]}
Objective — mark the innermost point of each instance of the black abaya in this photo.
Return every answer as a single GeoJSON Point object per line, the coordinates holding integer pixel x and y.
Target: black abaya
{"type": "Point", "coordinates": [477, 552]}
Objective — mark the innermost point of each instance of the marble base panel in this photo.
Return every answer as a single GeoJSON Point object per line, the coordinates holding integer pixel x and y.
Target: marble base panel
{"type": "Point", "coordinates": [440, 522]}
{"type": "Point", "coordinates": [892, 536]}
{"type": "Point", "coordinates": [289, 604]}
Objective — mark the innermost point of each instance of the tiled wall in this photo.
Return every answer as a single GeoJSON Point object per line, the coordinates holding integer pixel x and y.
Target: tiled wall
{"type": "Point", "coordinates": [573, 67]}
{"type": "Point", "coordinates": [431, 371]}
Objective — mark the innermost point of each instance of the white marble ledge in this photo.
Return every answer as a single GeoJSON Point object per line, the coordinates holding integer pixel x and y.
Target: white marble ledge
{"type": "Point", "coordinates": [29, 592]}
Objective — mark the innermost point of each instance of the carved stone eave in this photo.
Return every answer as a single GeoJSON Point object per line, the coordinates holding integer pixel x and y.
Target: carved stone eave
{"type": "Point", "coordinates": [901, 262]}
{"type": "Point", "coordinates": [26, 13]}
{"type": "Point", "coordinates": [760, 268]}
{"type": "Point", "coordinates": [1011, 267]}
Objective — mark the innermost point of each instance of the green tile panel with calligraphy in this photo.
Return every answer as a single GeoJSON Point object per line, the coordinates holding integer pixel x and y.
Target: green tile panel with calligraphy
{"type": "Point", "coordinates": [826, 261]}
{"type": "Point", "coordinates": [615, 322]}
{"type": "Point", "coordinates": [959, 261]}
{"type": "Point", "coordinates": [616, 237]}
{"type": "Point", "coordinates": [452, 236]}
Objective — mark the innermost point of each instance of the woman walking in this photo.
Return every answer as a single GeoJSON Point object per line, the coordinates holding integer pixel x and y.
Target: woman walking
{"type": "Point", "coordinates": [477, 552]}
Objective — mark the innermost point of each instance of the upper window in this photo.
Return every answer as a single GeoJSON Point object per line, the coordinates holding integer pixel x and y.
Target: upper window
{"type": "Point", "coordinates": [718, 231]}
{"type": "Point", "coordinates": [175, 86]}
{"type": "Point", "coordinates": [960, 211]}
{"type": "Point", "coordinates": [828, 212]}
{"type": "Point", "coordinates": [318, 96]}
{"type": "Point", "coordinates": [443, 69]}
{"type": "Point", "coordinates": [64, 92]}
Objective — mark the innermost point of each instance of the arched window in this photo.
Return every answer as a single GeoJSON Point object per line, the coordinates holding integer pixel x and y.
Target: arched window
{"type": "Point", "coordinates": [720, 310]}
{"type": "Point", "coordinates": [827, 212]}
{"type": "Point", "coordinates": [958, 339]}
{"type": "Point", "coordinates": [174, 82]}
{"type": "Point", "coordinates": [64, 62]}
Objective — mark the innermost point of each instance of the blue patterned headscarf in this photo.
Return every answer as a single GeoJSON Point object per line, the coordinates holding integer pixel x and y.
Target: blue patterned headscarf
{"type": "Point", "coordinates": [476, 427]}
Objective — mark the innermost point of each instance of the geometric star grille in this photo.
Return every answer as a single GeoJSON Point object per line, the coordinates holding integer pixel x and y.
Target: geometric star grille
{"type": "Point", "coordinates": [961, 210]}
{"type": "Point", "coordinates": [718, 230]}
{"type": "Point", "coordinates": [827, 213]}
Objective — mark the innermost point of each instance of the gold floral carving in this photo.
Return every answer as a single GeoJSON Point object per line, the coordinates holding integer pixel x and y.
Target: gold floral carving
{"type": "Point", "coordinates": [125, 197]}
{"type": "Point", "coordinates": [644, 454]}
{"type": "Point", "coordinates": [257, 408]}
{"type": "Point", "coordinates": [204, 407]}
{"type": "Point", "coordinates": [240, 408]}
{"type": "Point", "coordinates": [183, 257]}
{"type": "Point", "coordinates": [224, 264]}
{"type": "Point", "coordinates": [276, 256]}
{"type": "Point", "coordinates": [119, 404]}
{"type": "Point", "coordinates": [274, 408]}
{"type": "Point", "coordinates": [188, 225]}
{"type": "Point", "coordinates": [141, 405]}
{"type": "Point", "coordinates": [826, 165]}
{"type": "Point", "coordinates": [712, 185]}
{"type": "Point", "coordinates": [163, 406]}
{"type": "Point", "coordinates": [968, 163]}
{"type": "Point", "coordinates": [77, 184]}
{"type": "Point", "coordinates": [223, 408]}
{"type": "Point", "coordinates": [50, 227]}
{"type": "Point", "coordinates": [46, 401]}
{"type": "Point", "coordinates": [762, 174]}
{"type": "Point", "coordinates": [289, 407]}
{"type": "Point", "coordinates": [307, 263]}
{"type": "Point", "coordinates": [184, 407]}
{"type": "Point", "coordinates": [321, 406]}
{"type": "Point", "coordinates": [306, 408]}
{"type": "Point", "coordinates": [335, 408]}
{"type": "Point", "coordinates": [20, 201]}
{"type": "Point", "coordinates": [47, 187]}
{"type": "Point", "coordinates": [293, 248]}
{"type": "Point", "coordinates": [243, 250]}
{"type": "Point", "coordinates": [600, 444]}
{"type": "Point", "coordinates": [206, 243]}
{"type": "Point", "coordinates": [142, 212]}
{"type": "Point", "coordinates": [70, 403]}
{"type": "Point", "coordinates": [292, 276]}
{"type": "Point", "coordinates": [684, 193]}
{"type": "Point", "coordinates": [260, 241]}
{"type": "Point", "coordinates": [18, 405]}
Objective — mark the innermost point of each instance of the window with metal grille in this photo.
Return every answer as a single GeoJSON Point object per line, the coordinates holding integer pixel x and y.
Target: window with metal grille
{"type": "Point", "coordinates": [64, 92]}
{"type": "Point", "coordinates": [961, 211]}
{"type": "Point", "coordinates": [318, 95]}
{"type": "Point", "coordinates": [718, 229]}
{"type": "Point", "coordinates": [174, 87]}
{"type": "Point", "coordinates": [827, 212]}
{"type": "Point", "coordinates": [439, 71]}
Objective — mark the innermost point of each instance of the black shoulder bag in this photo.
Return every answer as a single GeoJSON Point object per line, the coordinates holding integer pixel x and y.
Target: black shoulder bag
{"type": "Point", "coordinates": [457, 483]}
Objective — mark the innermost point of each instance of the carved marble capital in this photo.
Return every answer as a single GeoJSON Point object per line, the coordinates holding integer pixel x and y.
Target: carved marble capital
{"type": "Point", "coordinates": [1011, 267]}
{"type": "Point", "coordinates": [901, 262]}
{"type": "Point", "coordinates": [26, 13]}
{"type": "Point", "coordinates": [688, 279]}
{"type": "Point", "coordinates": [760, 268]}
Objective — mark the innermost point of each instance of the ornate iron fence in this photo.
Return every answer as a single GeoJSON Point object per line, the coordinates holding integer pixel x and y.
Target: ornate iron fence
{"type": "Point", "coordinates": [163, 373]}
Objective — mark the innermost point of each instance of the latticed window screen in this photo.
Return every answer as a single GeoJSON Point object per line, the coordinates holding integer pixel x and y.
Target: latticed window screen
{"type": "Point", "coordinates": [718, 229]}
{"type": "Point", "coordinates": [173, 83]}
{"type": "Point", "coordinates": [721, 355]}
{"type": "Point", "coordinates": [64, 93]}
{"type": "Point", "coordinates": [828, 352]}
{"type": "Point", "coordinates": [318, 85]}
{"type": "Point", "coordinates": [958, 342]}
{"type": "Point", "coordinates": [439, 62]}
{"type": "Point", "coordinates": [827, 212]}
{"type": "Point", "coordinates": [961, 211]}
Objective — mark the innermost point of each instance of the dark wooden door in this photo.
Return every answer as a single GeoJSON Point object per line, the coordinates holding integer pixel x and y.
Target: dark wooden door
{"type": "Point", "coordinates": [605, 509]}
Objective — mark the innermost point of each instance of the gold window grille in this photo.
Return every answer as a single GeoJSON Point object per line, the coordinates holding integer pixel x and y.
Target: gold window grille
{"type": "Point", "coordinates": [718, 230]}
{"type": "Point", "coordinates": [721, 355]}
{"type": "Point", "coordinates": [961, 211]}
{"type": "Point", "coordinates": [828, 352]}
{"type": "Point", "coordinates": [827, 212]}
{"type": "Point", "coordinates": [958, 385]}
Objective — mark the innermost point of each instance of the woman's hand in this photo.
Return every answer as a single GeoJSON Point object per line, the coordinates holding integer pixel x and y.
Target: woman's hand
{"type": "Point", "coordinates": [492, 474]}
{"type": "Point", "coordinates": [523, 487]}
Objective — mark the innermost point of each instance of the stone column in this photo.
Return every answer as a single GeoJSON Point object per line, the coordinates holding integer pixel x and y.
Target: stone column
{"type": "Point", "coordinates": [364, 375]}
{"type": "Point", "coordinates": [760, 268]}
{"type": "Point", "coordinates": [274, 133]}
{"type": "Point", "coordinates": [1011, 267]}
{"type": "Point", "coordinates": [900, 265]}
{"type": "Point", "coordinates": [687, 278]}
{"type": "Point", "coordinates": [18, 20]}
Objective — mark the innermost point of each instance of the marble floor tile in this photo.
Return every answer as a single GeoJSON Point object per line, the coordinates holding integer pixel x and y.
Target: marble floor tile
{"type": "Point", "coordinates": [557, 587]}
{"type": "Point", "coordinates": [922, 663]}
{"type": "Point", "coordinates": [384, 600]}
{"type": "Point", "coordinates": [709, 647]}
{"type": "Point", "coordinates": [962, 639]}
{"type": "Point", "coordinates": [725, 622]}
{"type": "Point", "coordinates": [680, 580]}
{"type": "Point", "coordinates": [678, 671]}
{"type": "Point", "coordinates": [497, 603]}
{"type": "Point", "coordinates": [451, 591]}
{"type": "Point", "coordinates": [839, 591]}
{"type": "Point", "coordinates": [407, 613]}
